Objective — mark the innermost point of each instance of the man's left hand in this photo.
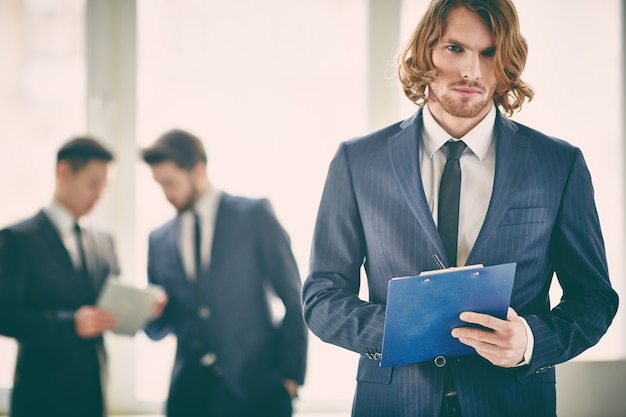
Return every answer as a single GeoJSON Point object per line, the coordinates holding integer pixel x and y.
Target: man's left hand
{"type": "Point", "coordinates": [291, 386]}
{"type": "Point", "coordinates": [504, 346]}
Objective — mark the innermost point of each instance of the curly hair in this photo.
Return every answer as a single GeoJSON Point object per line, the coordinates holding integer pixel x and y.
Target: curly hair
{"type": "Point", "coordinates": [415, 65]}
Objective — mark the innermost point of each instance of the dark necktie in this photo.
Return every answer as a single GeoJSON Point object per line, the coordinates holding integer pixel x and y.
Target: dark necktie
{"type": "Point", "coordinates": [83, 269]}
{"type": "Point", "coordinates": [197, 245]}
{"type": "Point", "coordinates": [449, 197]}
{"type": "Point", "coordinates": [448, 225]}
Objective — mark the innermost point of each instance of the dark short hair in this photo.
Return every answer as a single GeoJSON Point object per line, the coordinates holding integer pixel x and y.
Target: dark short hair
{"type": "Point", "coordinates": [79, 151]}
{"type": "Point", "coordinates": [178, 146]}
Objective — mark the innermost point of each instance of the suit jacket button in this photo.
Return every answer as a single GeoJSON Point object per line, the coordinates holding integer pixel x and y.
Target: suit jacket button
{"type": "Point", "coordinates": [378, 356]}
{"type": "Point", "coordinates": [542, 369]}
{"type": "Point", "coordinates": [440, 361]}
{"type": "Point", "coordinates": [204, 313]}
{"type": "Point", "coordinates": [208, 359]}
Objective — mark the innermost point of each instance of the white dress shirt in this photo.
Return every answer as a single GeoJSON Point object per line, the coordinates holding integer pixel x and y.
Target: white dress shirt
{"type": "Point", "coordinates": [64, 221]}
{"type": "Point", "coordinates": [478, 168]}
{"type": "Point", "coordinates": [478, 165]}
{"type": "Point", "coordinates": [206, 207]}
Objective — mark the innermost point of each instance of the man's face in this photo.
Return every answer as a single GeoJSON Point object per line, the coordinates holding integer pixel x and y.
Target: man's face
{"type": "Point", "coordinates": [179, 185]}
{"type": "Point", "coordinates": [79, 191]}
{"type": "Point", "coordinates": [465, 81]}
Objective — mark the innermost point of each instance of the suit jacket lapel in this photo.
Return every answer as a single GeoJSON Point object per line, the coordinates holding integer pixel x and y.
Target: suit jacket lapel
{"type": "Point", "coordinates": [511, 159]}
{"type": "Point", "coordinates": [404, 154]}
{"type": "Point", "coordinates": [58, 251]}
{"type": "Point", "coordinates": [219, 246]}
{"type": "Point", "coordinates": [50, 234]}
{"type": "Point", "coordinates": [97, 258]}
{"type": "Point", "coordinates": [172, 247]}
{"type": "Point", "coordinates": [94, 269]}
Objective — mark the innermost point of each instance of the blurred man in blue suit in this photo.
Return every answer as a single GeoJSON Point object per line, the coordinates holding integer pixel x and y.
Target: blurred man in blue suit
{"type": "Point", "coordinates": [521, 196]}
{"type": "Point", "coordinates": [222, 260]}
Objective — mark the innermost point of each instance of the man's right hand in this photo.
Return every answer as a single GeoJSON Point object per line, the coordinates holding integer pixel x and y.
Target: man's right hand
{"type": "Point", "coordinates": [158, 306]}
{"type": "Point", "coordinates": [93, 321]}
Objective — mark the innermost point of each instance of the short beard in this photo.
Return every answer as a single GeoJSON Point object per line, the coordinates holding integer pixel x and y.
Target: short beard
{"type": "Point", "coordinates": [461, 108]}
{"type": "Point", "coordinates": [191, 201]}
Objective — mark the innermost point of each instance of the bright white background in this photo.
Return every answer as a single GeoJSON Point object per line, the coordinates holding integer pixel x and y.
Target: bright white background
{"type": "Point", "coordinates": [272, 88]}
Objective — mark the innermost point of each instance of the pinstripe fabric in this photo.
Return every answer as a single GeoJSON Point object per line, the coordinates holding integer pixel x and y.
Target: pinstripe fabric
{"type": "Point", "coordinates": [542, 215]}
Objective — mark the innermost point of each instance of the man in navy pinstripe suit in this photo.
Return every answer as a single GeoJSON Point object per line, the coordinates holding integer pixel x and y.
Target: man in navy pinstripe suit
{"type": "Point", "coordinates": [525, 197]}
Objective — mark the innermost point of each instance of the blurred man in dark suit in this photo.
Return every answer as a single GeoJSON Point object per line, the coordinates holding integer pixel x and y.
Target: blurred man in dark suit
{"type": "Point", "coordinates": [52, 268]}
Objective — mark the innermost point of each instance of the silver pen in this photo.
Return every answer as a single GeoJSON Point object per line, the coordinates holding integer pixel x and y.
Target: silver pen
{"type": "Point", "coordinates": [438, 260]}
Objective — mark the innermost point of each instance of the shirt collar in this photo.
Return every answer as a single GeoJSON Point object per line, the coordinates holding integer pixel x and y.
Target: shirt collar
{"type": "Point", "coordinates": [478, 139]}
{"type": "Point", "coordinates": [60, 216]}
{"type": "Point", "coordinates": [207, 201]}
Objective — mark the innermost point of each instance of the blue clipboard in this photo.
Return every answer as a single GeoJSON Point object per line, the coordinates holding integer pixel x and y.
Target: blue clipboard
{"type": "Point", "coordinates": [422, 310]}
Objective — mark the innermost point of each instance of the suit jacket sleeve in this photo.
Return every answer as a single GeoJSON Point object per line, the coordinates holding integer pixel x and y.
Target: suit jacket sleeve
{"type": "Point", "coordinates": [588, 304]}
{"type": "Point", "coordinates": [43, 320]}
{"type": "Point", "coordinates": [332, 308]}
{"type": "Point", "coordinates": [160, 327]}
{"type": "Point", "coordinates": [16, 319]}
{"type": "Point", "coordinates": [279, 268]}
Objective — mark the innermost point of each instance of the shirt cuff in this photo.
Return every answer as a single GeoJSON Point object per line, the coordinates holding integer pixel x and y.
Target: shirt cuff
{"type": "Point", "coordinates": [530, 344]}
